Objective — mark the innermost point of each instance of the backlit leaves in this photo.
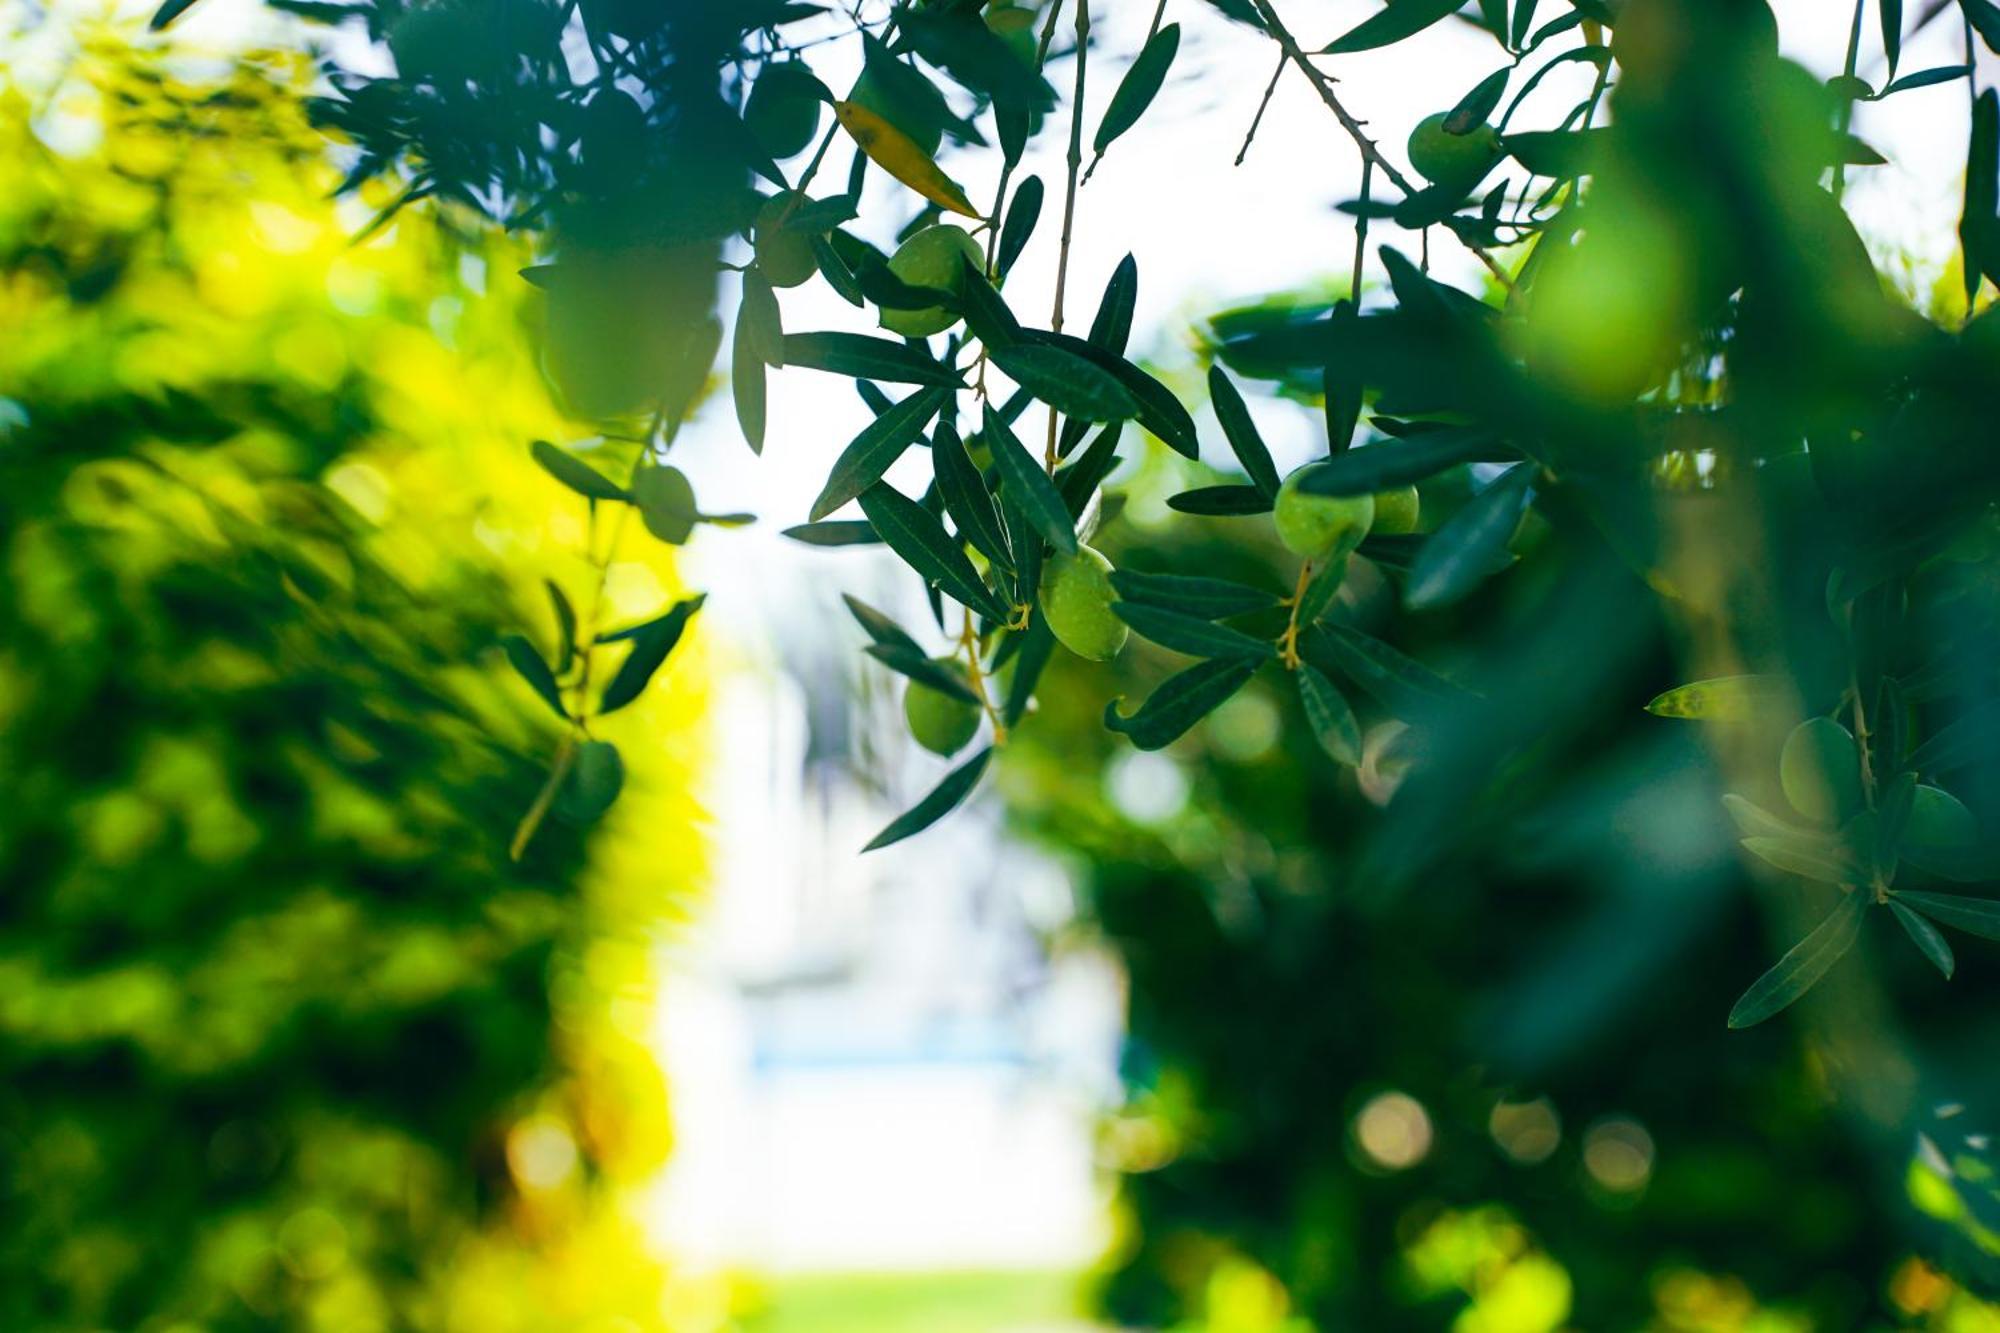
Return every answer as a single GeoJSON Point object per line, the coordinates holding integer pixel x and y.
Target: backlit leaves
{"type": "Point", "coordinates": [1803, 965]}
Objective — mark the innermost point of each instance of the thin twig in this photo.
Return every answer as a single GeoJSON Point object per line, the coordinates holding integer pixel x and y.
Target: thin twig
{"type": "Point", "coordinates": [1361, 233]}
{"type": "Point", "coordinates": [1370, 151]}
{"type": "Point", "coordinates": [1075, 165]}
{"type": "Point", "coordinates": [1262, 106]}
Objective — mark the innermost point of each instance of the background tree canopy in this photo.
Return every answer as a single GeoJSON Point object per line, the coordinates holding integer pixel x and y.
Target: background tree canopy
{"type": "Point", "coordinates": [1687, 444]}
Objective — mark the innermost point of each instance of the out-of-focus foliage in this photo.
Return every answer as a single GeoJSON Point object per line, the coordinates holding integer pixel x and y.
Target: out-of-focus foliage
{"type": "Point", "coordinates": [1500, 1097]}
{"type": "Point", "coordinates": [286, 1040]}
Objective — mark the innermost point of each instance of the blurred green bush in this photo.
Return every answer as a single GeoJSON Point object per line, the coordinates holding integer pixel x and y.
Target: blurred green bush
{"type": "Point", "coordinates": [285, 1039]}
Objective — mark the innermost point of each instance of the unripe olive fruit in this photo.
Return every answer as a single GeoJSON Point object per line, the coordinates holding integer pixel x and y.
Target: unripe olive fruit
{"type": "Point", "coordinates": [783, 111]}
{"type": "Point", "coordinates": [1939, 819]}
{"type": "Point", "coordinates": [1320, 526]}
{"type": "Point", "coordinates": [785, 257]}
{"type": "Point", "coordinates": [1446, 158]}
{"type": "Point", "coordinates": [1076, 598]}
{"type": "Point", "coordinates": [1397, 511]}
{"type": "Point", "coordinates": [1820, 770]}
{"type": "Point", "coordinates": [931, 258]}
{"type": "Point", "coordinates": [940, 722]}
{"type": "Point", "coordinates": [596, 776]}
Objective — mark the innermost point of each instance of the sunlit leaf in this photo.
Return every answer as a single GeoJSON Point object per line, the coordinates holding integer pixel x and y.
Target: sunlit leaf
{"type": "Point", "coordinates": [576, 474]}
{"type": "Point", "coordinates": [1803, 965]}
{"type": "Point", "coordinates": [1724, 699]}
{"type": "Point", "coordinates": [1926, 937]}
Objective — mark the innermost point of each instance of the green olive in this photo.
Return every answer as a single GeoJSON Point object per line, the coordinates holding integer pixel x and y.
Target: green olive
{"type": "Point", "coordinates": [785, 257]}
{"type": "Point", "coordinates": [940, 722]}
{"type": "Point", "coordinates": [1320, 526]}
{"type": "Point", "coordinates": [1820, 770]}
{"type": "Point", "coordinates": [931, 258]}
{"type": "Point", "coordinates": [1397, 511]}
{"type": "Point", "coordinates": [1076, 598]}
{"type": "Point", "coordinates": [596, 776]}
{"type": "Point", "coordinates": [783, 111]}
{"type": "Point", "coordinates": [1448, 159]}
{"type": "Point", "coordinates": [1939, 819]}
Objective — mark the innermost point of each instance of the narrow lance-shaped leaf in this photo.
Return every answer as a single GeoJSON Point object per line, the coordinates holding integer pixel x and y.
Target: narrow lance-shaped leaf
{"type": "Point", "coordinates": [919, 666]}
{"type": "Point", "coordinates": [1073, 385]}
{"type": "Point", "coordinates": [876, 448]}
{"type": "Point", "coordinates": [835, 532]}
{"type": "Point", "coordinates": [1385, 671]}
{"type": "Point", "coordinates": [760, 324]}
{"type": "Point", "coordinates": [1026, 488]}
{"type": "Point", "coordinates": [1723, 698]}
{"type": "Point", "coordinates": [922, 542]}
{"type": "Point", "coordinates": [1977, 227]}
{"type": "Point", "coordinates": [651, 644]}
{"type": "Point", "coordinates": [1891, 13]}
{"type": "Point", "coordinates": [565, 626]}
{"type": "Point", "coordinates": [576, 474]}
{"type": "Point", "coordinates": [529, 666]}
{"type": "Point", "coordinates": [1241, 431]}
{"type": "Point", "coordinates": [1342, 389]}
{"type": "Point", "coordinates": [747, 387]}
{"type": "Point", "coordinates": [1974, 916]}
{"type": "Point", "coordinates": [1330, 715]}
{"type": "Point", "coordinates": [1022, 215]}
{"type": "Point", "coordinates": [860, 356]}
{"type": "Point", "coordinates": [1398, 20]}
{"type": "Point", "coordinates": [944, 798]}
{"type": "Point", "coordinates": [1926, 937]}
{"type": "Point", "coordinates": [966, 499]}
{"type": "Point", "coordinates": [1211, 599]}
{"type": "Point", "coordinates": [1391, 463]}
{"type": "Point", "coordinates": [1465, 551]}
{"type": "Point", "coordinates": [1826, 862]}
{"type": "Point", "coordinates": [1110, 331]}
{"type": "Point", "coordinates": [1181, 701]}
{"type": "Point", "coordinates": [877, 625]}
{"type": "Point", "coordinates": [1221, 501]}
{"type": "Point", "coordinates": [1803, 965]}
{"type": "Point", "coordinates": [1320, 591]}
{"type": "Point", "coordinates": [986, 314]}
{"type": "Point", "coordinates": [1193, 635]}
{"type": "Point", "coordinates": [1037, 646]}
{"type": "Point", "coordinates": [1138, 88]}
{"type": "Point", "coordinates": [835, 270]}
{"type": "Point", "coordinates": [1473, 108]}
{"type": "Point", "coordinates": [1158, 411]}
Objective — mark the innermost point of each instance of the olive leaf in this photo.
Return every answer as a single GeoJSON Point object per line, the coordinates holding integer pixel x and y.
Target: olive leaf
{"type": "Point", "coordinates": [1181, 701]}
{"type": "Point", "coordinates": [1397, 20]}
{"type": "Point", "coordinates": [1815, 859]}
{"type": "Point", "coordinates": [1724, 699]}
{"type": "Point", "coordinates": [1196, 636]}
{"type": "Point", "coordinates": [1158, 410]}
{"type": "Point", "coordinates": [666, 504]}
{"type": "Point", "coordinates": [1073, 385]}
{"type": "Point", "coordinates": [1221, 501]}
{"type": "Point", "coordinates": [1320, 591]}
{"type": "Point", "coordinates": [1022, 215]}
{"type": "Point", "coordinates": [1926, 937]}
{"type": "Point", "coordinates": [835, 532]}
{"type": "Point", "coordinates": [565, 626]}
{"type": "Point", "coordinates": [876, 448]}
{"type": "Point", "coordinates": [1388, 673]}
{"type": "Point", "coordinates": [1037, 645]}
{"type": "Point", "coordinates": [878, 626]}
{"type": "Point", "coordinates": [1473, 108]}
{"type": "Point", "coordinates": [1470, 547]}
{"type": "Point", "coordinates": [747, 386]}
{"type": "Point", "coordinates": [916, 536]}
{"type": "Point", "coordinates": [911, 661]}
{"type": "Point", "coordinates": [963, 491]}
{"type": "Point", "coordinates": [947, 796]}
{"type": "Point", "coordinates": [529, 666]}
{"type": "Point", "coordinates": [1402, 462]}
{"type": "Point", "coordinates": [651, 644]}
{"type": "Point", "coordinates": [1803, 965]}
{"type": "Point", "coordinates": [1330, 715]}
{"type": "Point", "coordinates": [1241, 431]}
{"type": "Point", "coordinates": [576, 474]}
{"type": "Point", "coordinates": [862, 356]}
{"type": "Point", "coordinates": [1137, 89]}
{"type": "Point", "coordinates": [1207, 598]}
{"type": "Point", "coordinates": [1974, 916]}
{"type": "Point", "coordinates": [1026, 488]}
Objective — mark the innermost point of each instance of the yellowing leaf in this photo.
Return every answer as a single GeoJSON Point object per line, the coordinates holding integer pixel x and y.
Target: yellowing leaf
{"type": "Point", "coordinates": [896, 153]}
